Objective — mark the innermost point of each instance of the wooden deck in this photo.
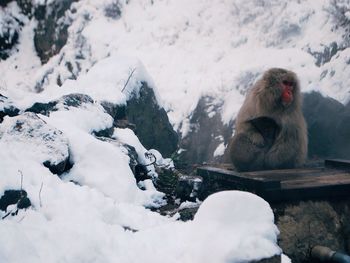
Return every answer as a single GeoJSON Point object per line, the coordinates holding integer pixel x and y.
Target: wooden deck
{"type": "Point", "coordinates": [331, 180]}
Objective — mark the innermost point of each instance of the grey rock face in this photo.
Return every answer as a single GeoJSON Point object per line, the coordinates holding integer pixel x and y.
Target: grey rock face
{"type": "Point", "coordinates": [207, 133]}
{"type": "Point", "coordinates": [328, 124]}
{"type": "Point", "coordinates": [9, 34]}
{"type": "Point", "coordinates": [52, 31]}
{"type": "Point", "coordinates": [152, 124]}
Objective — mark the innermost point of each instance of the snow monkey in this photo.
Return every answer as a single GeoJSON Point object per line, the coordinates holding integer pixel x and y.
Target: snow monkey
{"type": "Point", "coordinates": [270, 128]}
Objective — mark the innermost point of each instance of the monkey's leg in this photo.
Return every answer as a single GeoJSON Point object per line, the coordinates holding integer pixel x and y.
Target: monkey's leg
{"type": "Point", "coordinates": [245, 155]}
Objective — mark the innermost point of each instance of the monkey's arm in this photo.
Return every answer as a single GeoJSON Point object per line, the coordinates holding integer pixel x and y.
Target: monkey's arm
{"type": "Point", "coordinates": [245, 155]}
{"type": "Point", "coordinates": [251, 133]}
{"type": "Point", "coordinates": [286, 150]}
{"type": "Point", "coordinates": [268, 128]}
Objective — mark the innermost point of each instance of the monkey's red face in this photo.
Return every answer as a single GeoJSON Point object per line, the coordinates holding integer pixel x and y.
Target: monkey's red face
{"type": "Point", "coordinates": [287, 92]}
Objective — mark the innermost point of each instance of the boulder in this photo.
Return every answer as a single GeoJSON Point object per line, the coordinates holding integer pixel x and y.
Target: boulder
{"type": "Point", "coordinates": [207, 132]}
{"type": "Point", "coordinates": [34, 137]}
{"type": "Point", "coordinates": [74, 100]}
{"type": "Point", "coordinates": [147, 119]}
{"type": "Point", "coordinates": [328, 123]}
{"type": "Point", "coordinates": [152, 123]}
{"type": "Point", "coordinates": [14, 197]}
{"type": "Point", "coordinates": [7, 108]}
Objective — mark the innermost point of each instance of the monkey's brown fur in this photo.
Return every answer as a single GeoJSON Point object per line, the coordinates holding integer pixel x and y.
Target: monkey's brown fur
{"type": "Point", "coordinates": [275, 144]}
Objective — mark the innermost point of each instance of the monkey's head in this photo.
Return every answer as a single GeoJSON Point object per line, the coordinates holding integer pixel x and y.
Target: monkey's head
{"type": "Point", "coordinates": [280, 88]}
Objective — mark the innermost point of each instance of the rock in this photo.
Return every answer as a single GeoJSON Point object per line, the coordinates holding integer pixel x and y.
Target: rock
{"type": "Point", "coordinates": [108, 132]}
{"type": "Point", "coordinates": [38, 139]}
{"type": "Point", "coordinates": [52, 31]}
{"type": "Point", "coordinates": [43, 108]}
{"type": "Point", "coordinates": [26, 7]}
{"type": "Point", "coordinates": [7, 108]}
{"type": "Point", "coordinates": [152, 124]}
{"type": "Point", "coordinates": [112, 10]}
{"type": "Point", "coordinates": [4, 2]}
{"type": "Point", "coordinates": [188, 187]}
{"type": "Point", "coordinates": [206, 134]}
{"type": "Point", "coordinates": [167, 182]}
{"type": "Point", "coordinates": [328, 124]}
{"type": "Point", "coordinates": [71, 100]}
{"type": "Point", "coordinates": [147, 119]}
{"type": "Point", "coordinates": [139, 170]}
{"type": "Point", "coordinates": [74, 100]}
{"type": "Point", "coordinates": [11, 197]}
{"type": "Point", "coordinates": [275, 259]}
{"type": "Point", "coordinates": [304, 225]}
{"type": "Point", "coordinates": [187, 214]}
{"type": "Point", "coordinates": [326, 55]}
{"type": "Point", "coordinates": [9, 34]}
{"type": "Point", "coordinates": [118, 113]}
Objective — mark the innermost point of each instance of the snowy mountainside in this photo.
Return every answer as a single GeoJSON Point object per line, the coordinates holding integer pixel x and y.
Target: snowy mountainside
{"type": "Point", "coordinates": [198, 48]}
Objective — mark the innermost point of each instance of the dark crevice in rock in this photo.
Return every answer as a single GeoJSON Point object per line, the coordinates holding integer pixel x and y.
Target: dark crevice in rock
{"type": "Point", "coordinates": [12, 197]}
{"type": "Point", "coordinates": [42, 108]}
{"type": "Point", "coordinates": [59, 168]}
{"type": "Point", "coordinates": [108, 132]}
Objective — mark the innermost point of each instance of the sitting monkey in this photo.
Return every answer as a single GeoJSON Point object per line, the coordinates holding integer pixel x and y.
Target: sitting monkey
{"type": "Point", "coordinates": [270, 127]}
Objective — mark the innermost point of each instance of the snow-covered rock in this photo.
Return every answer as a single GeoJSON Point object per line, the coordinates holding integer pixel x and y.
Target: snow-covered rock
{"type": "Point", "coordinates": [31, 137]}
{"type": "Point", "coordinates": [7, 108]}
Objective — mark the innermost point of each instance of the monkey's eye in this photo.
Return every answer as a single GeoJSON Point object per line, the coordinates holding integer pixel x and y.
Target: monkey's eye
{"type": "Point", "coordinates": [288, 83]}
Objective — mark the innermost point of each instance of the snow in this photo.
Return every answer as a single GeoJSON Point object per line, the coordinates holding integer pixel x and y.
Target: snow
{"type": "Point", "coordinates": [179, 51]}
{"type": "Point", "coordinates": [219, 151]}
{"type": "Point", "coordinates": [183, 50]}
{"type": "Point", "coordinates": [228, 238]}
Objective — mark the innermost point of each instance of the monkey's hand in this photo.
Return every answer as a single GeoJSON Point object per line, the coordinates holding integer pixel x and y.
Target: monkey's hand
{"type": "Point", "coordinates": [257, 139]}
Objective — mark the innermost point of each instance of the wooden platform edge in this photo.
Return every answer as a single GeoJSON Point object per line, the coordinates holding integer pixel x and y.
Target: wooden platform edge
{"type": "Point", "coordinates": [279, 189]}
{"type": "Point", "coordinates": [337, 163]}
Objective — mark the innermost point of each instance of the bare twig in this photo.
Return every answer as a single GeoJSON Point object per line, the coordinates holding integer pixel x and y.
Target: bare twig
{"type": "Point", "coordinates": [127, 81]}
{"type": "Point", "coordinates": [15, 211]}
{"type": "Point", "coordinates": [12, 212]}
{"type": "Point", "coordinates": [21, 180]}
{"type": "Point", "coordinates": [149, 156]}
{"type": "Point", "coordinates": [41, 188]}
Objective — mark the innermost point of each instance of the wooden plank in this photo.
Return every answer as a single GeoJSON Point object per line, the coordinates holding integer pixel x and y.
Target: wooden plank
{"type": "Point", "coordinates": [307, 182]}
{"type": "Point", "coordinates": [207, 172]}
{"type": "Point", "coordinates": [337, 163]}
{"type": "Point", "coordinates": [288, 174]}
{"type": "Point", "coordinates": [325, 192]}
{"type": "Point", "coordinates": [280, 185]}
